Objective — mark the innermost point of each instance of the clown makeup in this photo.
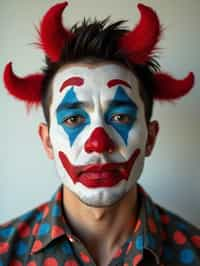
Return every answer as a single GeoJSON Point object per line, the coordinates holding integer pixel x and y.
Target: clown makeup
{"type": "Point", "coordinates": [98, 131]}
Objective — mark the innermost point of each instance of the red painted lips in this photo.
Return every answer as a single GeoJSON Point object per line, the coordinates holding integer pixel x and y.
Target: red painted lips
{"type": "Point", "coordinates": [99, 175]}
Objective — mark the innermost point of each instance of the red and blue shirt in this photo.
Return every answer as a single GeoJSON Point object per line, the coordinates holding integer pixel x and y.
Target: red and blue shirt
{"type": "Point", "coordinates": [43, 237]}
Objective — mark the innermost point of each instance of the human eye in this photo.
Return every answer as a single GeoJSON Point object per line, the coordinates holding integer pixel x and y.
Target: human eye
{"type": "Point", "coordinates": [122, 119]}
{"type": "Point", "coordinates": [74, 120]}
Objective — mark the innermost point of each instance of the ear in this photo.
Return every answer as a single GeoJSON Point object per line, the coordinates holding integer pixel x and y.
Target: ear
{"type": "Point", "coordinates": [153, 129]}
{"type": "Point", "coordinates": [43, 132]}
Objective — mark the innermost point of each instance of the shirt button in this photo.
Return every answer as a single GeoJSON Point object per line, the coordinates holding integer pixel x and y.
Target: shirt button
{"type": "Point", "coordinates": [71, 239]}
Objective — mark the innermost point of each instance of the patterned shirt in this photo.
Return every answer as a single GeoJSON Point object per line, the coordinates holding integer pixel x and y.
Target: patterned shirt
{"type": "Point", "coordinates": [43, 237]}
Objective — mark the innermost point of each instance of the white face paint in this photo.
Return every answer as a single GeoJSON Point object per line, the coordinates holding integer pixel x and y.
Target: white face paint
{"type": "Point", "coordinates": [98, 131]}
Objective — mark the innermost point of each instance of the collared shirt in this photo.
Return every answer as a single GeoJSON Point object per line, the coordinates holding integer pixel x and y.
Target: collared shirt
{"type": "Point", "coordinates": [43, 237]}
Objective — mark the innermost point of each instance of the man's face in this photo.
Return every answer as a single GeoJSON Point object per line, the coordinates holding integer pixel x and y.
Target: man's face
{"type": "Point", "coordinates": [98, 131]}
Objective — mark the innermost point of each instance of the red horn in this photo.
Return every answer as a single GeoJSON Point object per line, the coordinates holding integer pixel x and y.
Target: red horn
{"type": "Point", "coordinates": [140, 43]}
{"type": "Point", "coordinates": [169, 88]}
{"type": "Point", "coordinates": [27, 89]}
{"type": "Point", "coordinates": [52, 34]}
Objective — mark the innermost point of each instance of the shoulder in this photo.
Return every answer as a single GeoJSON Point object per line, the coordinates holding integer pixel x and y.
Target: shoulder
{"type": "Point", "coordinates": [177, 240]}
{"type": "Point", "coordinates": [16, 236]}
{"type": "Point", "coordinates": [173, 227]}
{"type": "Point", "coordinates": [181, 239]}
{"type": "Point", "coordinates": [172, 222]}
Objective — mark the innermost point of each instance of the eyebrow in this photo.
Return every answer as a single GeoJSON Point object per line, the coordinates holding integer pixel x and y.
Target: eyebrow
{"type": "Point", "coordinates": [114, 82]}
{"type": "Point", "coordinates": [117, 103]}
{"type": "Point", "coordinates": [72, 105]}
{"type": "Point", "coordinates": [73, 81]}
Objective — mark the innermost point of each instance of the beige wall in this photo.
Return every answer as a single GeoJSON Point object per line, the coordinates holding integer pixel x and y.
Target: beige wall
{"type": "Point", "coordinates": [171, 175]}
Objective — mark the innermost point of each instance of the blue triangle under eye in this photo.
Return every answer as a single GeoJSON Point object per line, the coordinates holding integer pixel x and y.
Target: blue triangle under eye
{"type": "Point", "coordinates": [65, 109]}
{"type": "Point", "coordinates": [124, 102]}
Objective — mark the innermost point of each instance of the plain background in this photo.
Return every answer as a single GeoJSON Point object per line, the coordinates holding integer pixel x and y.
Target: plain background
{"type": "Point", "coordinates": [171, 174]}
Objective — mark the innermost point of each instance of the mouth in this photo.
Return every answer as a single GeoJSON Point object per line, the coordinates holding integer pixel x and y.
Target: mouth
{"type": "Point", "coordinates": [99, 175]}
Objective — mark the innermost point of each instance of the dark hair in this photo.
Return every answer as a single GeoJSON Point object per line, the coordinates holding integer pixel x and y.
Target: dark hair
{"type": "Point", "coordinates": [95, 41]}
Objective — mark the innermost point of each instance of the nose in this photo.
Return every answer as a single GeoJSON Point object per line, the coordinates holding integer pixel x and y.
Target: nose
{"type": "Point", "coordinates": [99, 142]}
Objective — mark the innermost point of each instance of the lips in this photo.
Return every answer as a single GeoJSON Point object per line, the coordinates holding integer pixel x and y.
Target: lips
{"type": "Point", "coordinates": [99, 175]}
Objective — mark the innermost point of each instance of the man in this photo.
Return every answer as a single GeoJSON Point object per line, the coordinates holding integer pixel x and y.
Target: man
{"type": "Point", "coordinates": [97, 93]}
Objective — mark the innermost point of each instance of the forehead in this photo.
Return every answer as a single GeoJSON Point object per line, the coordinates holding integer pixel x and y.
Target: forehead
{"type": "Point", "coordinates": [94, 78]}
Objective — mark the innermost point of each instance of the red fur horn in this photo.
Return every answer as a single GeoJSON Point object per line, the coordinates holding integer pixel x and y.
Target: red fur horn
{"type": "Point", "coordinates": [52, 34]}
{"type": "Point", "coordinates": [140, 43]}
{"type": "Point", "coordinates": [169, 88]}
{"type": "Point", "coordinates": [27, 89]}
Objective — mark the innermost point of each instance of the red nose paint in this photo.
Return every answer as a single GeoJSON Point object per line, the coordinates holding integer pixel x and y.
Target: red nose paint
{"type": "Point", "coordinates": [99, 142]}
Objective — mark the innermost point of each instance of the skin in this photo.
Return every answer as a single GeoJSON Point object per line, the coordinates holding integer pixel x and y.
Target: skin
{"type": "Point", "coordinates": [102, 229]}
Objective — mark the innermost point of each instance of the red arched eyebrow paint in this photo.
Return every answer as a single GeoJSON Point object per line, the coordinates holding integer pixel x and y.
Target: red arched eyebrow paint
{"type": "Point", "coordinates": [73, 81]}
{"type": "Point", "coordinates": [115, 82]}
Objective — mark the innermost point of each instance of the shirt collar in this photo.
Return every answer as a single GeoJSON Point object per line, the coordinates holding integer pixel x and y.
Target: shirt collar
{"type": "Point", "coordinates": [151, 225]}
{"type": "Point", "coordinates": [51, 223]}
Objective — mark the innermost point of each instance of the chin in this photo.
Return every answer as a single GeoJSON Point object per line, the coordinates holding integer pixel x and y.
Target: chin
{"type": "Point", "coordinates": [99, 203]}
{"type": "Point", "coordinates": [100, 197]}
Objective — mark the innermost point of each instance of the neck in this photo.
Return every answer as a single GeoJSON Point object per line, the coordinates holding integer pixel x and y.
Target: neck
{"type": "Point", "coordinates": [102, 230]}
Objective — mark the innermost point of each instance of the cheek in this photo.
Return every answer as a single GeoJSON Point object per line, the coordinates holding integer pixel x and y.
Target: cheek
{"type": "Point", "coordinates": [137, 137]}
{"type": "Point", "coordinates": [61, 141]}
{"type": "Point", "coordinates": [73, 134]}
